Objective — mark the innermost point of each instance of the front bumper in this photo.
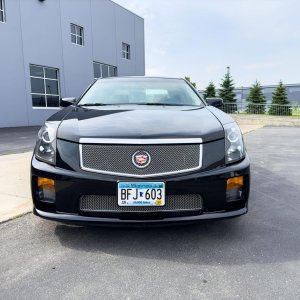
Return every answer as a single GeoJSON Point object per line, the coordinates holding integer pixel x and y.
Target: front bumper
{"type": "Point", "coordinates": [71, 185]}
{"type": "Point", "coordinates": [81, 220]}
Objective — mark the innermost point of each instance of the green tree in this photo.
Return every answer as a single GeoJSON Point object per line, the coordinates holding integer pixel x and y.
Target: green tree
{"type": "Point", "coordinates": [189, 80]}
{"type": "Point", "coordinates": [226, 92]}
{"type": "Point", "coordinates": [256, 99]}
{"type": "Point", "coordinates": [210, 91]}
{"type": "Point", "coordinates": [280, 102]}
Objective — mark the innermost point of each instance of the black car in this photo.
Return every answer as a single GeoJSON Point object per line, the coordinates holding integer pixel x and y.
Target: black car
{"type": "Point", "coordinates": [139, 150]}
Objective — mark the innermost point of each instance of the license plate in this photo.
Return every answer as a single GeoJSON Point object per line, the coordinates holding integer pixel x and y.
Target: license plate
{"type": "Point", "coordinates": [141, 193]}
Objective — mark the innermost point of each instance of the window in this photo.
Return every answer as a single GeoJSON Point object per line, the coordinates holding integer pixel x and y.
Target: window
{"type": "Point", "coordinates": [44, 86]}
{"type": "Point", "coordinates": [125, 51]}
{"type": "Point", "coordinates": [103, 70]}
{"type": "Point", "coordinates": [2, 11]}
{"type": "Point", "coordinates": [139, 91]}
{"type": "Point", "coordinates": [76, 34]}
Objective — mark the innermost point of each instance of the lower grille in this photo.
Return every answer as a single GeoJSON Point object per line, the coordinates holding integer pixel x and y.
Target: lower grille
{"type": "Point", "coordinates": [106, 206]}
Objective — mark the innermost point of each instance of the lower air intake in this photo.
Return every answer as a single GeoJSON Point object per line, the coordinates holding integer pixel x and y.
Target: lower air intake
{"type": "Point", "coordinates": [106, 206]}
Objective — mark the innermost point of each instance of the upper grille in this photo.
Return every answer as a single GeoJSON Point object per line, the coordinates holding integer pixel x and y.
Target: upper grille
{"type": "Point", "coordinates": [116, 159]}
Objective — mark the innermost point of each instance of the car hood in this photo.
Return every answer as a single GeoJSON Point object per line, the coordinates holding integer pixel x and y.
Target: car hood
{"type": "Point", "coordinates": [141, 123]}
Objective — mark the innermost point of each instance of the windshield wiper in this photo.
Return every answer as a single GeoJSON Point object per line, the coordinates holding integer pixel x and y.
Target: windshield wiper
{"type": "Point", "coordinates": [92, 104]}
{"type": "Point", "coordinates": [162, 104]}
{"type": "Point", "coordinates": [118, 104]}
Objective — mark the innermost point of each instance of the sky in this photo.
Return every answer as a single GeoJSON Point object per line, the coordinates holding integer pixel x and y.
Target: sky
{"type": "Point", "coordinates": [258, 39]}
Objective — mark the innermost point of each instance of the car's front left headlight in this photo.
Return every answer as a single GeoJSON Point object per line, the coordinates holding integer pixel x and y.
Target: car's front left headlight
{"type": "Point", "coordinates": [45, 149]}
{"type": "Point", "coordinates": [234, 144]}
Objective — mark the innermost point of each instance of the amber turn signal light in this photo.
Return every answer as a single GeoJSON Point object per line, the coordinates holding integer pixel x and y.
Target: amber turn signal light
{"type": "Point", "coordinates": [45, 183]}
{"type": "Point", "coordinates": [235, 182]}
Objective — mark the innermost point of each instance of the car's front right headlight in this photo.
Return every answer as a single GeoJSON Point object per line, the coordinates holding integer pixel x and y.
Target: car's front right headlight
{"type": "Point", "coordinates": [234, 144]}
{"type": "Point", "coordinates": [45, 149]}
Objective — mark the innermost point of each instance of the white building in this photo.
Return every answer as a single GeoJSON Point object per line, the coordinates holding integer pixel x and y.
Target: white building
{"type": "Point", "coordinates": [55, 48]}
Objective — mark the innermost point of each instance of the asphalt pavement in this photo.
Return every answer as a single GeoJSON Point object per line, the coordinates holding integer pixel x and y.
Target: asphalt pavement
{"type": "Point", "coordinates": [17, 139]}
{"type": "Point", "coordinates": [256, 256]}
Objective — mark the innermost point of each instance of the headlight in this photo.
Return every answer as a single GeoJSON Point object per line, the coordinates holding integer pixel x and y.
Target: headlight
{"type": "Point", "coordinates": [45, 149]}
{"type": "Point", "coordinates": [234, 144]}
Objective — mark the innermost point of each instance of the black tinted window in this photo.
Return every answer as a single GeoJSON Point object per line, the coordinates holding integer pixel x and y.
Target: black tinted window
{"type": "Point", "coordinates": [38, 100]}
{"type": "Point", "coordinates": [37, 85]}
{"type": "Point", "coordinates": [36, 71]}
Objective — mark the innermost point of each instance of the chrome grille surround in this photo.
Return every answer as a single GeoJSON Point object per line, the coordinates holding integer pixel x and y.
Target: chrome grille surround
{"type": "Point", "coordinates": [114, 156]}
{"type": "Point", "coordinates": [109, 203]}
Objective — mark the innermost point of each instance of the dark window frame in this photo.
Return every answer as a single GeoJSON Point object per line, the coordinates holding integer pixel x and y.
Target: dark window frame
{"type": "Point", "coordinates": [78, 34]}
{"type": "Point", "coordinates": [126, 53]}
{"type": "Point", "coordinates": [100, 65]}
{"type": "Point", "coordinates": [45, 93]}
{"type": "Point", "coordinates": [2, 12]}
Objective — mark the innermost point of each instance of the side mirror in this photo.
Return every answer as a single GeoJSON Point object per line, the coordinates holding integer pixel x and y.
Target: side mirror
{"type": "Point", "coordinates": [216, 102]}
{"type": "Point", "coordinates": [64, 102]}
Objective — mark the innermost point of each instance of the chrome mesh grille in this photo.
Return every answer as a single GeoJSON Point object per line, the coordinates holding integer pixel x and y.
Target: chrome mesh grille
{"type": "Point", "coordinates": [117, 159]}
{"type": "Point", "coordinates": [107, 203]}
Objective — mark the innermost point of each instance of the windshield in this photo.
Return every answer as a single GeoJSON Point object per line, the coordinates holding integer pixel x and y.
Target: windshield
{"type": "Point", "coordinates": [141, 91]}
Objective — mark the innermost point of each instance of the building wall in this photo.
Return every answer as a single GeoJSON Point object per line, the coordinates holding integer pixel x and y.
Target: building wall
{"type": "Point", "coordinates": [39, 33]}
{"type": "Point", "coordinates": [12, 83]}
{"type": "Point", "coordinates": [42, 45]}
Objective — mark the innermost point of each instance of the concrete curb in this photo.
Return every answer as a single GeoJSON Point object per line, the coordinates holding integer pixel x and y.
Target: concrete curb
{"type": "Point", "coordinates": [15, 194]}
{"type": "Point", "coordinates": [265, 120]}
{"type": "Point", "coordinates": [248, 128]}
